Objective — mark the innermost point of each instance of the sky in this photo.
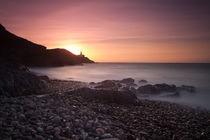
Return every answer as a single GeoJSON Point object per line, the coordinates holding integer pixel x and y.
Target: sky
{"type": "Point", "coordinates": [115, 30]}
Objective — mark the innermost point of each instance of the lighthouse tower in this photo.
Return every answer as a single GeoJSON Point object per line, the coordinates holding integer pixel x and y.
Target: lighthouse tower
{"type": "Point", "coordinates": [81, 55]}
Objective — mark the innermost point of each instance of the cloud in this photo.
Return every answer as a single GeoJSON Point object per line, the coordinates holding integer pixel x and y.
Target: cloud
{"type": "Point", "coordinates": [147, 40]}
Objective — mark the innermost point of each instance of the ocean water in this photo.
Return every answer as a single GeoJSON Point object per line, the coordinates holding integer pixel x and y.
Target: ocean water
{"type": "Point", "coordinates": [197, 75]}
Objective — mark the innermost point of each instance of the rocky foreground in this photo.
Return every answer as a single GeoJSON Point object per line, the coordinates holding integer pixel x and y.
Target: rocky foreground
{"type": "Point", "coordinates": [71, 116]}
{"type": "Point", "coordinates": [36, 107]}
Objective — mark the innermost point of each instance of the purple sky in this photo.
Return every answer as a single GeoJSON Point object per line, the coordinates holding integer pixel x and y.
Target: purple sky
{"type": "Point", "coordinates": [116, 30]}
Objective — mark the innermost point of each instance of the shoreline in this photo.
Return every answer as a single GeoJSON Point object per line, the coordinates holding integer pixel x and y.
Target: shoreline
{"type": "Point", "coordinates": [62, 86]}
{"type": "Point", "coordinates": [69, 116]}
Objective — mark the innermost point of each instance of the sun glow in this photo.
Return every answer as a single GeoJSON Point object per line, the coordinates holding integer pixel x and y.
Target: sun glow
{"type": "Point", "coordinates": [73, 49]}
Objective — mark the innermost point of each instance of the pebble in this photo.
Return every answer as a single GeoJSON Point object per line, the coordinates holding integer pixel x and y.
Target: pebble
{"type": "Point", "coordinates": [106, 135]}
{"type": "Point", "coordinates": [57, 130]}
{"type": "Point", "coordinates": [56, 119]}
{"type": "Point", "coordinates": [66, 116]}
{"type": "Point", "coordinates": [100, 131]}
{"type": "Point", "coordinates": [88, 125]}
{"type": "Point", "coordinates": [49, 127]}
{"type": "Point", "coordinates": [22, 117]}
{"type": "Point", "coordinates": [39, 129]}
{"type": "Point", "coordinates": [67, 124]}
{"type": "Point", "coordinates": [38, 137]}
{"type": "Point", "coordinates": [29, 137]}
{"type": "Point", "coordinates": [110, 139]}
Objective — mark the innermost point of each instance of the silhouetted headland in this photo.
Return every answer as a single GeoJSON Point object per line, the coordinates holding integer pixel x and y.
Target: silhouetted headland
{"type": "Point", "coordinates": [17, 49]}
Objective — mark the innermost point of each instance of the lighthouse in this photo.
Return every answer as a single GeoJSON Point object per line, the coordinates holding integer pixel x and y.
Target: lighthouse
{"type": "Point", "coordinates": [81, 55]}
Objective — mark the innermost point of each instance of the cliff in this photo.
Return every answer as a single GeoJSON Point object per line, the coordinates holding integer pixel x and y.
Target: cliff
{"type": "Point", "coordinates": [17, 49]}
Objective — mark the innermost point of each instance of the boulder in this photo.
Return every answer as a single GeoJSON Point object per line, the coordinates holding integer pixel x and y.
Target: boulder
{"type": "Point", "coordinates": [92, 83]}
{"type": "Point", "coordinates": [116, 85]}
{"type": "Point", "coordinates": [143, 81]}
{"type": "Point", "coordinates": [187, 88]}
{"type": "Point", "coordinates": [107, 96]}
{"type": "Point", "coordinates": [127, 81]}
{"type": "Point", "coordinates": [165, 87]}
{"type": "Point", "coordinates": [147, 89]}
{"type": "Point", "coordinates": [106, 84]}
{"type": "Point", "coordinates": [157, 88]}
{"type": "Point", "coordinates": [16, 80]}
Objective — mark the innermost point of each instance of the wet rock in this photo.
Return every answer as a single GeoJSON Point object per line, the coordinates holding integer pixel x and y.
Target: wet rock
{"type": "Point", "coordinates": [28, 130]}
{"type": "Point", "coordinates": [16, 80]}
{"type": "Point", "coordinates": [110, 139]}
{"type": "Point", "coordinates": [84, 134]}
{"type": "Point", "coordinates": [143, 81]}
{"type": "Point", "coordinates": [127, 81]}
{"type": "Point", "coordinates": [56, 119]}
{"type": "Point", "coordinates": [49, 128]}
{"type": "Point", "coordinates": [75, 137]}
{"type": "Point", "coordinates": [119, 97]}
{"type": "Point", "coordinates": [127, 89]}
{"type": "Point", "coordinates": [106, 135]}
{"type": "Point", "coordinates": [89, 124]}
{"type": "Point", "coordinates": [92, 83]}
{"type": "Point", "coordinates": [45, 78]}
{"type": "Point", "coordinates": [39, 129]}
{"type": "Point", "coordinates": [38, 137]}
{"type": "Point", "coordinates": [155, 89]}
{"type": "Point", "coordinates": [187, 88]}
{"type": "Point", "coordinates": [29, 106]}
{"type": "Point", "coordinates": [22, 117]}
{"type": "Point", "coordinates": [116, 85]}
{"type": "Point", "coordinates": [100, 131]}
{"type": "Point", "coordinates": [143, 133]}
{"type": "Point", "coordinates": [29, 137]}
{"type": "Point", "coordinates": [13, 123]}
{"type": "Point", "coordinates": [175, 94]}
{"type": "Point", "coordinates": [98, 114]}
{"type": "Point", "coordinates": [57, 130]}
{"type": "Point", "coordinates": [106, 84]}
{"type": "Point", "coordinates": [67, 124]}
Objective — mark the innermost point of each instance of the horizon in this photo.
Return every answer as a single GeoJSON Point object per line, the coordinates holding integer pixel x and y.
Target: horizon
{"type": "Point", "coordinates": [116, 32]}
{"type": "Point", "coordinates": [159, 62]}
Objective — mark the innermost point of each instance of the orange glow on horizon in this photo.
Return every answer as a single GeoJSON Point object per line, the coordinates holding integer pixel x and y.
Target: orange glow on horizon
{"type": "Point", "coordinates": [72, 49]}
{"type": "Point", "coordinates": [112, 31]}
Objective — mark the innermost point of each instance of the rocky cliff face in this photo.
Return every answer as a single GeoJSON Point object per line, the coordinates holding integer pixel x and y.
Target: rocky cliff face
{"type": "Point", "coordinates": [20, 50]}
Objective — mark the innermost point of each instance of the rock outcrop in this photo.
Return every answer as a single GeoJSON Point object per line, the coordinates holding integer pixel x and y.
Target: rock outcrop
{"type": "Point", "coordinates": [157, 88]}
{"type": "Point", "coordinates": [126, 84]}
{"type": "Point", "coordinates": [143, 81]}
{"type": "Point", "coordinates": [107, 96]}
{"type": "Point", "coordinates": [20, 50]}
{"type": "Point", "coordinates": [16, 80]}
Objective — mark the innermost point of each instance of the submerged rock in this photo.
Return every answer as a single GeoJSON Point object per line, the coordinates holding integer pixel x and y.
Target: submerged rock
{"type": "Point", "coordinates": [186, 88]}
{"type": "Point", "coordinates": [143, 81]}
{"type": "Point", "coordinates": [157, 88]}
{"type": "Point", "coordinates": [127, 81]}
{"type": "Point", "coordinates": [160, 88]}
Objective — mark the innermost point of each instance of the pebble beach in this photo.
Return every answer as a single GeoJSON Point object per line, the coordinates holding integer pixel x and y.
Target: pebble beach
{"type": "Point", "coordinates": [67, 116]}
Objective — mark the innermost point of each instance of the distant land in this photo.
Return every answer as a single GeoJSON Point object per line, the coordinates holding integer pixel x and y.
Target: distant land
{"type": "Point", "coordinates": [20, 50]}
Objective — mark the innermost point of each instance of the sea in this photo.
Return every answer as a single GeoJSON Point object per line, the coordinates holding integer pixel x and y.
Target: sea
{"type": "Point", "coordinates": [193, 74]}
